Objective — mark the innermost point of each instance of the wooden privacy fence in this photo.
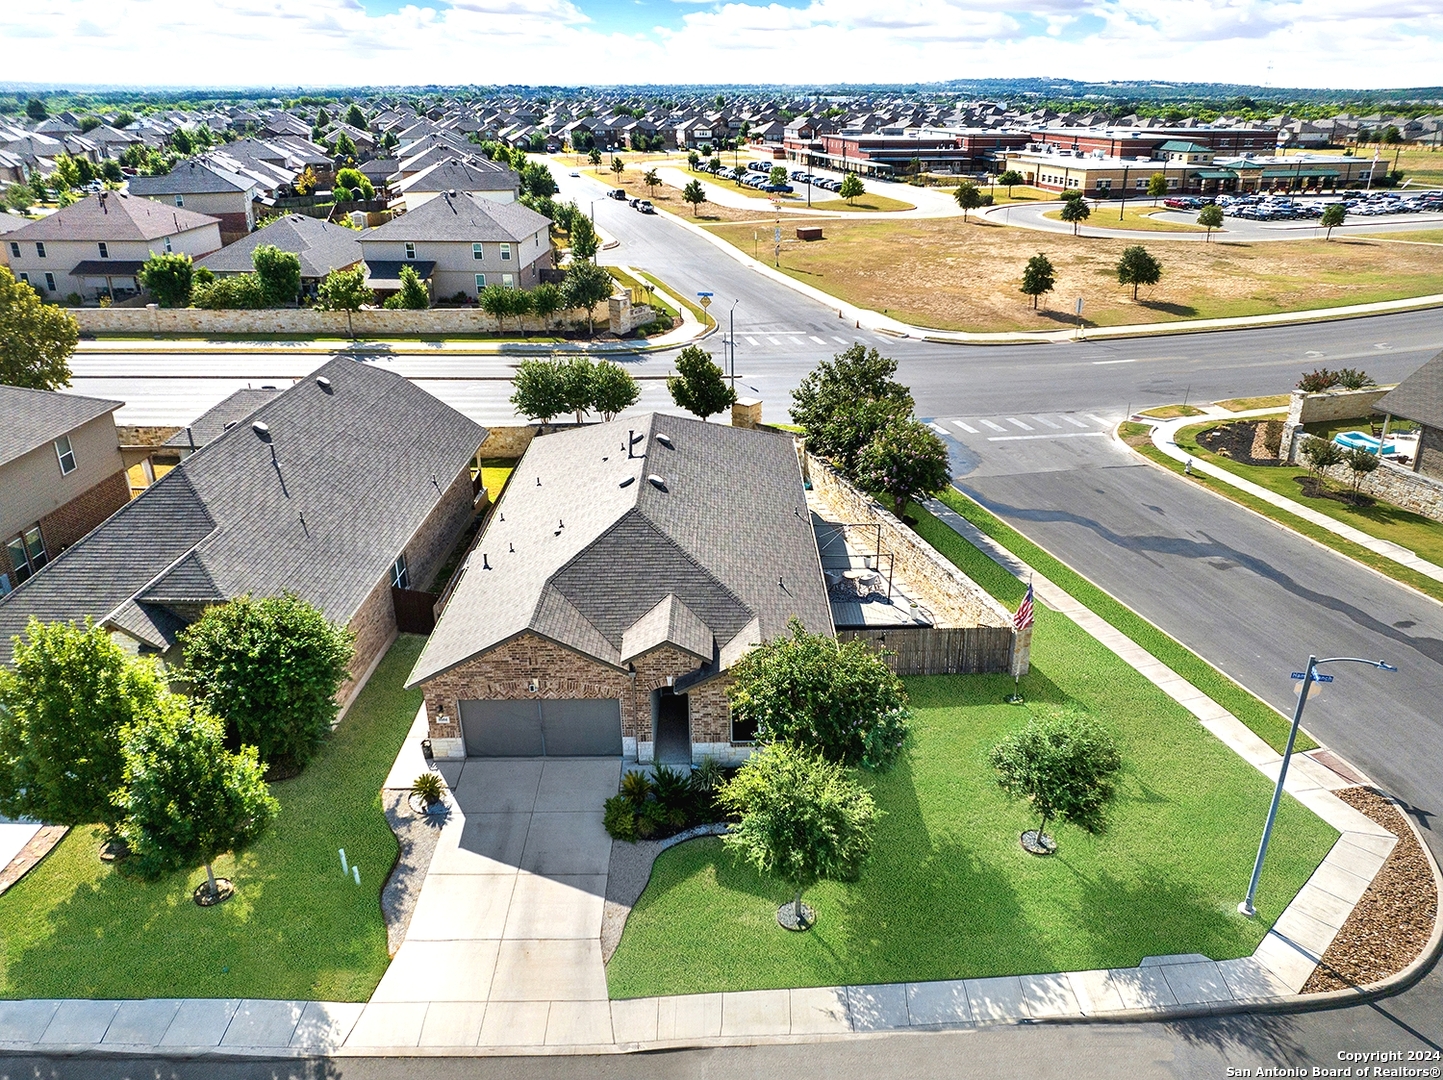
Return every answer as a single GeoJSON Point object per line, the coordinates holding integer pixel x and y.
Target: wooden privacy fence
{"type": "Point", "coordinates": [415, 610]}
{"type": "Point", "coordinates": [922, 650]}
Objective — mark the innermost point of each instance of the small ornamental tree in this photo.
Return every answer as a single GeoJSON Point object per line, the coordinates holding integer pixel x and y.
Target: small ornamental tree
{"type": "Point", "coordinates": [594, 156]}
{"type": "Point", "coordinates": [1318, 380]}
{"type": "Point", "coordinates": [188, 800]}
{"type": "Point", "coordinates": [1360, 463]}
{"type": "Point", "coordinates": [617, 168]}
{"type": "Point", "coordinates": [576, 374]}
{"type": "Point", "coordinates": [280, 274]}
{"type": "Point", "coordinates": [1138, 267]}
{"type": "Point", "coordinates": [345, 290]}
{"type": "Point", "coordinates": [357, 182]}
{"type": "Point", "coordinates": [168, 278]}
{"type": "Point", "coordinates": [62, 709]}
{"type": "Point", "coordinates": [852, 187]}
{"type": "Point", "coordinates": [1210, 217]}
{"type": "Point", "coordinates": [546, 301]}
{"type": "Point", "coordinates": [802, 819]}
{"type": "Point", "coordinates": [1038, 278]}
{"type": "Point", "coordinates": [270, 668]}
{"type": "Point", "coordinates": [1010, 179]}
{"type": "Point", "coordinates": [777, 176]}
{"type": "Point", "coordinates": [905, 460]}
{"type": "Point", "coordinates": [36, 339]}
{"type": "Point", "coordinates": [613, 390]}
{"type": "Point", "coordinates": [699, 386]}
{"type": "Point", "coordinates": [1075, 211]}
{"type": "Point", "coordinates": [1354, 379]}
{"type": "Point", "coordinates": [585, 286]}
{"type": "Point", "coordinates": [19, 197]}
{"type": "Point", "coordinates": [1333, 216]}
{"type": "Point", "coordinates": [1157, 186]}
{"type": "Point", "coordinates": [1321, 455]}
{"type": "Point", "coordinates": [968, 196]}
{"type": "Point", "coordinates": [846, 400]}
{"type": "Point", "coordinates": [693, 159]}
{"type": "Point", "coordinates": [584, 241]}
{"type": "Point", "coordinates": [412, 296]}
{"type": "Point", "coordinates": [694, 194]}
{"type": "Point", "coordinates": [537, 390]}
{"type": "Point", "coordinates": [651, 178]}
{"type": "Point", "coordinates": [498, 301]}
{"type": "Point", "coordinates": [1062, 763]}
{"type": "Point", "coordinates": [839, 699]}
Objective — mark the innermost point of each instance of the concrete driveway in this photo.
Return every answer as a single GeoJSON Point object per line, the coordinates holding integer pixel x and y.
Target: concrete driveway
{"type": "Point", "coordinates": [505, 944]}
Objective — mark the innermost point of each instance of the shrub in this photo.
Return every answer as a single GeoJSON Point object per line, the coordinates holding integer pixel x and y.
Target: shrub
{"type": "Point", "coordinates": [620, 818]}
{"type": "Point", "coordinates": [1354, 379]}
{"type": "Point", "coordinates": [1272, 436]}
{"type": "Point", "coordinates": [673, 794]}
{"type": "Point", "coordinates": [1318, 380]}
{"type": "Point", "coordinates": [232, 292]}
{"type": "Point", "coordinates": [169, 278]}
{"type": "Point", "coordinates": [1062, 763]}
{"type": "Point", "coordinates": [428, 786]}
{"type": "Point", "coordinates": [1321, 455]}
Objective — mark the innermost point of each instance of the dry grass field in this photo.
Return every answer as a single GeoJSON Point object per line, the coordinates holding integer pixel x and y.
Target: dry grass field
{"type": "Point", "coordinates": [944, 274]}
{"type": "Point", "coordinates": [1132, 218]}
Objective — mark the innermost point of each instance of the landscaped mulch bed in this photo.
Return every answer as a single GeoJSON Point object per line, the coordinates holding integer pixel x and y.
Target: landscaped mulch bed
{"type": "Point", "coordinates": [1391, 924]}
{"type": "Point", "coordinates": [417, 834]}
{"type": "Point", "coordinates": [31, 854]}
{"type": "Point", "coordinates": [1244, 443]}
{"type": "Point", "coordinates": [1313, 488]}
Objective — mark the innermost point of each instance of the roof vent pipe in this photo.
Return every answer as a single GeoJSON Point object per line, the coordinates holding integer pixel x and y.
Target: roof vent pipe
{"type": "Point", "coordinates": [485, 565]}
{"type": "Point", "coordinates": [324, 383]}
{"type": "Point", "coordinates": [261, 428]}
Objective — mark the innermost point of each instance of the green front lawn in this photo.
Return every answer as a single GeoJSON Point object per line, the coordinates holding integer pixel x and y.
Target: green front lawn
{"type": "Point", "coordinates": [75, 927]}
{"type": "Point", "coordinates": [949, 893]}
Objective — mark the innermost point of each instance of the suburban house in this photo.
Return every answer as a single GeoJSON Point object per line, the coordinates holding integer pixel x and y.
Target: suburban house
{"type": "Point", "coordinates": [479, 177]}
{"type": "Point", "coordinates": [97, 246]}
{"type": "Point", "coordinates": [320, 245]}
{"type": "Point", "coordinates": [349, 485]}
{"type": "Point", "coordinates": [460, 242]}
{"type": "Point", "coordinates": [1419, 398]}
{"type": "Point", "coordinates": [61, 473]}
{"type": "Point", "coordinates": [206, 188]}
{"type": "Point", "coordinates": [626, 568]}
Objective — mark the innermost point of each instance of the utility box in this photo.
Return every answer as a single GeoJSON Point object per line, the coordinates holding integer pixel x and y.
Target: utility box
{"type": "Point", "coordinates": [809, 232]}
{"type": "Point", "coordinates": [746, 412]}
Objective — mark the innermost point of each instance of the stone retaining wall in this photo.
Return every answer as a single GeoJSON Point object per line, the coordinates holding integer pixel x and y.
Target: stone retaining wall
{"type": "Point", "coordinates": [1326, 407]}
{"type": "Point", "coordinates": [311, 321]}
{"type": "Point", "coordinates": [1399, 486]}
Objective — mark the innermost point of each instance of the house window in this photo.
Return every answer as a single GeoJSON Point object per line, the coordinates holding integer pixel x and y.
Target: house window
{"type": "Point", "coordinates": [180, 200]}
{"type": "Point", "coordinates": [480, 282]}
{"type": "Point", "coordinates": [66, 455]}
{"type": "Point", "coordinates": [104, 250]}
{"type": "Point", "coordinates": [14, 250]}
{"type": "Point", "coordinates": [50, 282]}
{"type": "Point", "coordinates": [25, 277]}
{"type": "Point", "coordinates": [167, 245]}
{"type": "Point", "coordinates": [508, 280]}
{"type": "Point", "coordinates": [1104, 186]}
{"type": "Point", "coordinates": [27, 553]}
{"type": "Point", "coordinates": [476, 251]}
{"type": "Point", "coordinates": [39, 249]}
{"type": "Point", "coordinates": [400, 573]}
{"type": "Point", "coordinates": [410, 251]}
{"type": "Point", "coordinates": [505, 252]}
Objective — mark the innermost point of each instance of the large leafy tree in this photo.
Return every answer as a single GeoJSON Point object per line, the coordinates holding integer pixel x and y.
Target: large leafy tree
{"type": "Point", "coordinates": [546, 301]}
{"type": "Point", "coordinates": [585, 286]}
{"type": "Point", "coordinates": [345, 290]}
{"type": "Point", "coordinates": [537, 389]}
{"type": "Point", "coordinates": [62, 709]}
{"type": "Point", "coordinates": [1138, 267]}
{"type": "Point", "coordinates": [169, 278]}
{"type": "Point", "coordinates": [356, 118]}
{"type": "Point", "coordinates": [584, 241]}
{"type": "Point", "coordinates": [1075, 211]}
{"type": "Point", "coordinates": [613, 390]}
{"type": "Point", "coordinates": [576, 374]}
{"type": "Point", "coordinates": [802, 819]}
{"type": "Point", "coordinates": [852, 187]}
{"type": "Point", "coordinates": [968, 196]}
{"type": "Point", "coordinates": [699, 385]}
{"type": "Point", "coordinates": [188, 800]}
{"type": "Point", "coordinates": [356, 182]}
{"type": "Point", "coordinates": [905, 460]}
{"type": "Point", "coordinates": [1157, 186]}
{"type": "Point", "coordinates": [1038, 277]}
{"type": "Point", "coordinates": [1062, 763]}
{"type": "Point", "coordinates": [280, 274]}
{"type": "Point", "coordinates": [837, 698]}
{"type": "Point", "coordinates": [846, 401]}
{"type": "Point", "coordinates": [270, 668]}
{"type": "Point", "coordinates": [36, 339]}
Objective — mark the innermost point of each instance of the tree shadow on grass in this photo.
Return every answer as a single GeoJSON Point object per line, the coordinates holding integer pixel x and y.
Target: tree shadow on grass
{"type": "Point", "coordinates": [1183, 311]}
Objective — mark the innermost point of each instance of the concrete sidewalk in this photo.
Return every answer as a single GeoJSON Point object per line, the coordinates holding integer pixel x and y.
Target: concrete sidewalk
{"type": "Point", "coordinates": [1164, 433]}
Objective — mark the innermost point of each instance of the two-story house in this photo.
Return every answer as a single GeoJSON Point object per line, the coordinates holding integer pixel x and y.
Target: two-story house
{"type": "Point", "coordinates": [207, 189]}
{"type": "Point", "coordinates": [97, 246]}
{"type": "Point", "coordinates": [477, 176]}
{"type": "Point", "coordinates": [460, 242]}
{"type": "Point", "coordinates": [61, 473]}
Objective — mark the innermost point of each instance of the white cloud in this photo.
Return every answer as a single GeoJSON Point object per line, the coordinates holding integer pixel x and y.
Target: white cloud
{"type": "Point", "coordinates": [277, 43]}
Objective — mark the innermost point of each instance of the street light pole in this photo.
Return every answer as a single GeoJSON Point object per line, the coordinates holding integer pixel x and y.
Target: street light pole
{"type": "Point", "coordinates": [732, 337]}
{"type": "Point", "coordinates": [1309, 676]}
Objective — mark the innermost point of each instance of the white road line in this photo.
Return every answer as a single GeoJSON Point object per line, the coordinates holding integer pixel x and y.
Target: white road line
{"type": "Point", "coordinates": [1018, 423]}
{"type": "Point", "coordinates": [753, 341]}
{"type": "Point", "coordinates": [1073, 420]}
{"type": "Point", "coordinates": [1100, 363]}
{"type": "Point", "coordinates": [813, 337]}
{"type": "Point", "coordinates": [1047, 423]}
{"type": "Point", "coordinates": [1097, 419]}
{"type": "Point", "coordinates": [1059, 435]}
{"type": "Point", "coordinates": [939, 429]}
{"type": "Point", "coordinates": [773, 341]}
{"type": "Point", "coordinates": [994, 427]}
{"type": "Point", "coordinates": [965, 427]}
{"type": "Point", "coordinates": [840, 340]}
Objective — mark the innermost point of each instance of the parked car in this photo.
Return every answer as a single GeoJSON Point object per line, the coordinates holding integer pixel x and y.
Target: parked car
{"type": "Point", "coordinates": [617, 193]}
{"type": "Point", "coordinates": [645, 207]}
{"type": "Point", "coordinates": [573, 173]}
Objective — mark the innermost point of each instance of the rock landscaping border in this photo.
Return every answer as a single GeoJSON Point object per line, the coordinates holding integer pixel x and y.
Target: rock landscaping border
{"type": "Point", "coordinates": [417, 835]}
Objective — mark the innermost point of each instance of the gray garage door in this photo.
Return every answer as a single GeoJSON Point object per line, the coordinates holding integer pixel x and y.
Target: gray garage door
{"type": "Point", "coordinates": [582, 728]}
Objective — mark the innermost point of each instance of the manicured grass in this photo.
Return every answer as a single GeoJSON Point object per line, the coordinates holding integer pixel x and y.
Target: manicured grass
{"type": "Point", "coordinates": [75, 927]}
{"type": "Point", "coordinates": [867, 203]}
{"type": "Point", "coordinates": [949, 893]}
{"type": "Point", "coordinates": [494, 474]}
{"type": "Point", "coordinates": [696, 309]}
{"type": "Point", "coordinates": [1422, 236]}
{"type": "Point", "coordinates": [1246, 404]}
{"type": "Point", "coordinates": [1170, 412]}
{"type": "Point", "coordinates": [1133, 218]}
{"type": "Point", "coordinates": [1264, 721]}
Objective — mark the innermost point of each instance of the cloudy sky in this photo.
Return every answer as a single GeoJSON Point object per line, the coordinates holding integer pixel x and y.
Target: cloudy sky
{"type": "Point", "coordinates": [286, 43]}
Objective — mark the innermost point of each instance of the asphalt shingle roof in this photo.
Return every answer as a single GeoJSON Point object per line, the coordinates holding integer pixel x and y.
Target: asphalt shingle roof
{"type": "Point", "coordinates": [462, 217]}
{"type": "Point", "coordinates": [213, 423]}
{"type": "Point", "coordinates": [452, 174]}
{"type": "Point", "coordinates": [320, 506]}
{"type": "Point", "coordinates": [1419, 397]}
{"type": "Point", "coordinates": [113, 216]}
{"type": "Point", "coordinates": [190, 178]}
{"type": "Point", "coordinates": [36, 417]}
{"type": "Point", "coordinates": [586, 549]}
{"type": "Point", "coordinates": [321, 246]}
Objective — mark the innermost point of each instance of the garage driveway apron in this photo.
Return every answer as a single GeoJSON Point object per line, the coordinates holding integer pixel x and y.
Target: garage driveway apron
{"type": "Point", "coordinates": [505, 943]}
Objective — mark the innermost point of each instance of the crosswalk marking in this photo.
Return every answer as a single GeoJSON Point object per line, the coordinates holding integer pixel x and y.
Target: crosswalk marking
{"type": "Point", "coordinates": [1059, 435]}
{"type": "Point", "coordinates": [818, 340]}
{"type": "Point", "coordinates": [1098, 419]}
{"type": "Point", "coordinates": [994, 427]}
{"type": "Point", "coordinates": [1073, 420]}
{"type": "Point", "coordinates": [965, 427]}
{"type": "Point", "coordinates": [773, 341]}
{"type": "Point", "coordinates": [939, 429]}
{"type": "Point", "coordinates": [1046, 422]}
{"type": "Point", "coordinates": [840, 340]}
{"type": "Point", "coordinates": [1019, 423]}
{"type": "Point", "coordinates": [753, 341]}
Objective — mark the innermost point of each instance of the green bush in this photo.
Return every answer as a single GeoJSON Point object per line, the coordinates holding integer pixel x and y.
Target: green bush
{"type": "Point", "coordinates": [233, 292]}
{"type": "Point", "coordinates": [620, 819]}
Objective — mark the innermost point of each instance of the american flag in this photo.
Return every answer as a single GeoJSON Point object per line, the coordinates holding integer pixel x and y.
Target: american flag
{"type": "Point", "coordinates": [1023, 619]}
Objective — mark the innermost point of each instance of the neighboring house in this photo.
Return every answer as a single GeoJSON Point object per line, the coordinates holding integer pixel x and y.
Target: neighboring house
{"type": "Point", "coordinates": [219, 419]}
{"type": "Point", "coordinates": [628, 566]}
{"type": "Point", "coordinates": [206, 188]}
{"type": "Point", "coordinates": [97, 246]}
{"type": "Point", "coordinates": [348, 484]}
{"type": "Point", "coordinates": [460, 242]}
{"type": "Point", "coordinates": [320, 245]}
{"type": "Point", "coordinates": [1419, 398]}
{"type": "Point", "coordinates": [61, 474]}
{"type": "Point", "coordinates": [480, 177]}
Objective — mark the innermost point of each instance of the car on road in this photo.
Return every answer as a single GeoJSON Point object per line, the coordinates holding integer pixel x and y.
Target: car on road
{"type": "Point", "coordinates": [618, 193]}
{"type": "Point", "coordinates": [645, 207]}
{"type": "Point", "coordinates": [573, 173]}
